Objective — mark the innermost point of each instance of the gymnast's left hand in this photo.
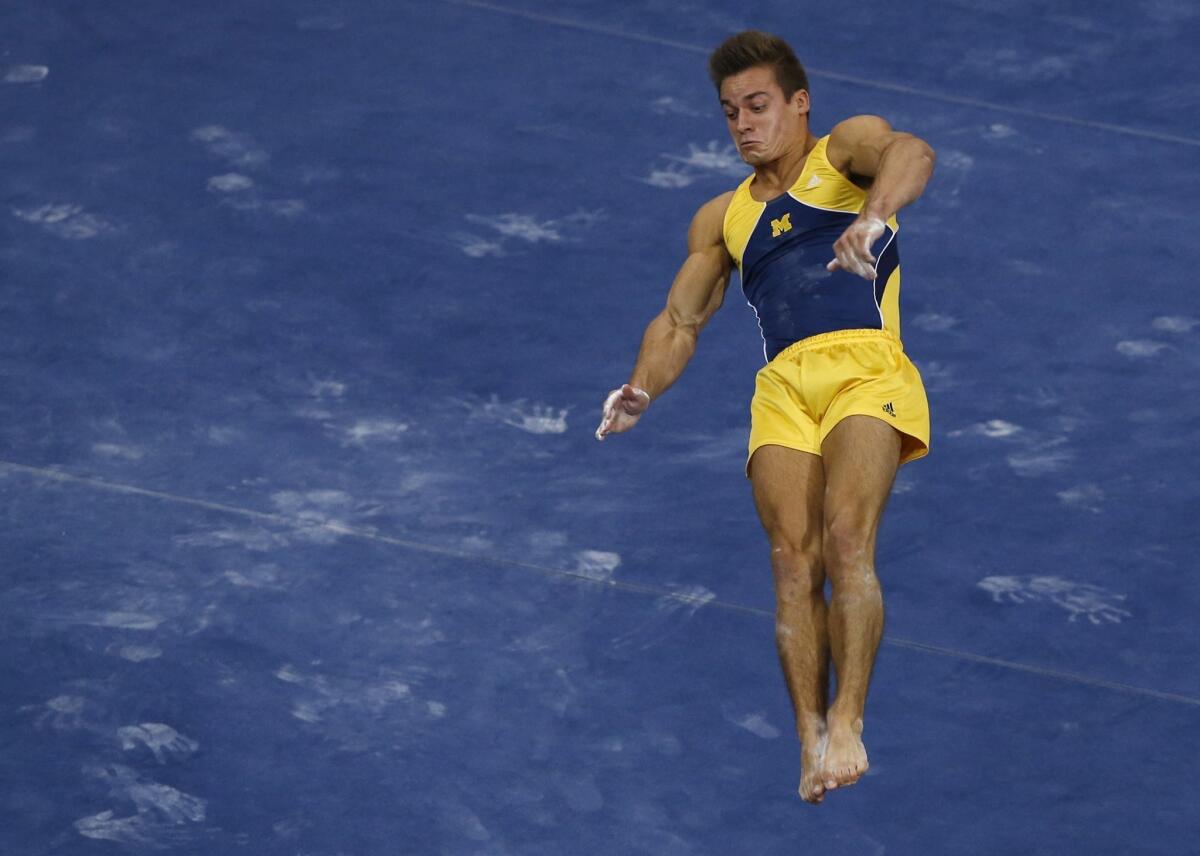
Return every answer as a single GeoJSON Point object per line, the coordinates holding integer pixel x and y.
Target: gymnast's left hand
{"type": "Point", "coordinates": [622, 409]}
{"type": "Point", "coordinates": [853, 248]}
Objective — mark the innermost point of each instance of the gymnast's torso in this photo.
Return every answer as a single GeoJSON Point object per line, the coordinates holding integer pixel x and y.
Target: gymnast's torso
{"type": "Point", "coordinates": [781, 248]}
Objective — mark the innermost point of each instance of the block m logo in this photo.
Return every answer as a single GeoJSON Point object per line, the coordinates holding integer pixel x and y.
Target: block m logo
{"type": "Point", "coordinates": [783, 224]}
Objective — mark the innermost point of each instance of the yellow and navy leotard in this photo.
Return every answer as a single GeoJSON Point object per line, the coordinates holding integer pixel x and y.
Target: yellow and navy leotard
{"type": "Point", "coordinates": [781, 248]}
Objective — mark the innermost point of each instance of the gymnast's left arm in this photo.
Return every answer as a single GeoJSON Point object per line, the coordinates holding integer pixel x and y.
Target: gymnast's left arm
{"type": "Point", "coordinates": [893, 165]}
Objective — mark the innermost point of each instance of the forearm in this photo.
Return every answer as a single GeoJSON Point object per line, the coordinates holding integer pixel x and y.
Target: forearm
{"type": "Point", "coordinates": [904, 169]}
{"type": "Point", "coordinates": [666, 348]}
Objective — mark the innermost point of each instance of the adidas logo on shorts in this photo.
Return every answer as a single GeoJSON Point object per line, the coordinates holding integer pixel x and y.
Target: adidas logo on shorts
{"type": "Point", "coordinates": [889, 410]}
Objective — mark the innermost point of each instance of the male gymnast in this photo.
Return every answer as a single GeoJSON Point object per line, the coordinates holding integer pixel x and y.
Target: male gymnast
{"type": "Point", "coordinates": [838, 407]}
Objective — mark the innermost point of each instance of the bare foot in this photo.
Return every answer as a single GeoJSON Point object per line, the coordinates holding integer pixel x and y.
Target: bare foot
{"type": "Point", "coordinates": [846, 757]}
{"type": "Point", "coordinates": [812, 788]}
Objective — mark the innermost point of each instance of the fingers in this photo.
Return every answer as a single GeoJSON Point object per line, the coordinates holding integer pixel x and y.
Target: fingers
{"type": "Point", "coordinates": [621, 410]}
{"type": "Point", "coordinates": [608, 414]}
{"type": "Point", "coordinates": [856, 260]}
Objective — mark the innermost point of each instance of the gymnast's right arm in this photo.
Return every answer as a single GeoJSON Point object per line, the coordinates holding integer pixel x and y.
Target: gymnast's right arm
{"type": "Point", "coordinates": [670, 339]}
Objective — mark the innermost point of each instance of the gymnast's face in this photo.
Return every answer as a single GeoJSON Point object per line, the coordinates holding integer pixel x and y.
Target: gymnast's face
{"type": "Point", "coordinates": [764, 125]}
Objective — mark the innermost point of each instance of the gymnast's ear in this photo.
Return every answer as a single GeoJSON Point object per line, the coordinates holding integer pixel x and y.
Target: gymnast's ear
{"type": "Point", "coordinates": [800, 101]}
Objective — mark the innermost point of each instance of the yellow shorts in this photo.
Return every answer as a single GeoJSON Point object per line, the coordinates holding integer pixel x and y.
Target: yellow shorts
{"type": "Point", "coordinates": [814, 384]}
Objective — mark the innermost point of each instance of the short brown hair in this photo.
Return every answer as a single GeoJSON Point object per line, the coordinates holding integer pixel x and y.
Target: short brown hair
{"type": "Point", "coordinates": [752, 48]}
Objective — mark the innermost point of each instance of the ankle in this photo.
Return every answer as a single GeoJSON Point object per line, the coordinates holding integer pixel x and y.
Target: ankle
{"type": "Point", "coordinates": [811, 729]}
{"type": "Point", "coordinates": [842, 721]}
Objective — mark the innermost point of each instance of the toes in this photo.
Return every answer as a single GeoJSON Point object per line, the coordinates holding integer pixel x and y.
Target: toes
{"type": "Point", "coordinates": [841, 777]}
{"type": "Point", "coordinates": [811, 791]}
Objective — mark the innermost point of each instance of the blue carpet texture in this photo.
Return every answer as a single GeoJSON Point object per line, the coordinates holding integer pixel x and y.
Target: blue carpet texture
{"type": "Point", "coordinates": [307, 310]}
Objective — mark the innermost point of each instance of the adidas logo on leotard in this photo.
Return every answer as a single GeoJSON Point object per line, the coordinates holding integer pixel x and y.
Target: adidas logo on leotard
{"type": "Point", "coordinates": [889, 410]}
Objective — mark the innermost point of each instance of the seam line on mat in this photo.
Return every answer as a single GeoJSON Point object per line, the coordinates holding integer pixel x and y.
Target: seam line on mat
{"type": "Point", "coordinates": [617, 32]}
{"type": "Point", "coordinates": [63, 477]}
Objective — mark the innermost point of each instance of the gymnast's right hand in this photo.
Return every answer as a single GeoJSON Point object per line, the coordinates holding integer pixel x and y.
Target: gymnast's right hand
{"type": "Point", "coordinates": [622, 409]}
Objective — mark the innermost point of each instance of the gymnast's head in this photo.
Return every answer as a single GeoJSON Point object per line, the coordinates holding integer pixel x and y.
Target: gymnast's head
{"type": "Point", "coordinates": [763, 90]}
